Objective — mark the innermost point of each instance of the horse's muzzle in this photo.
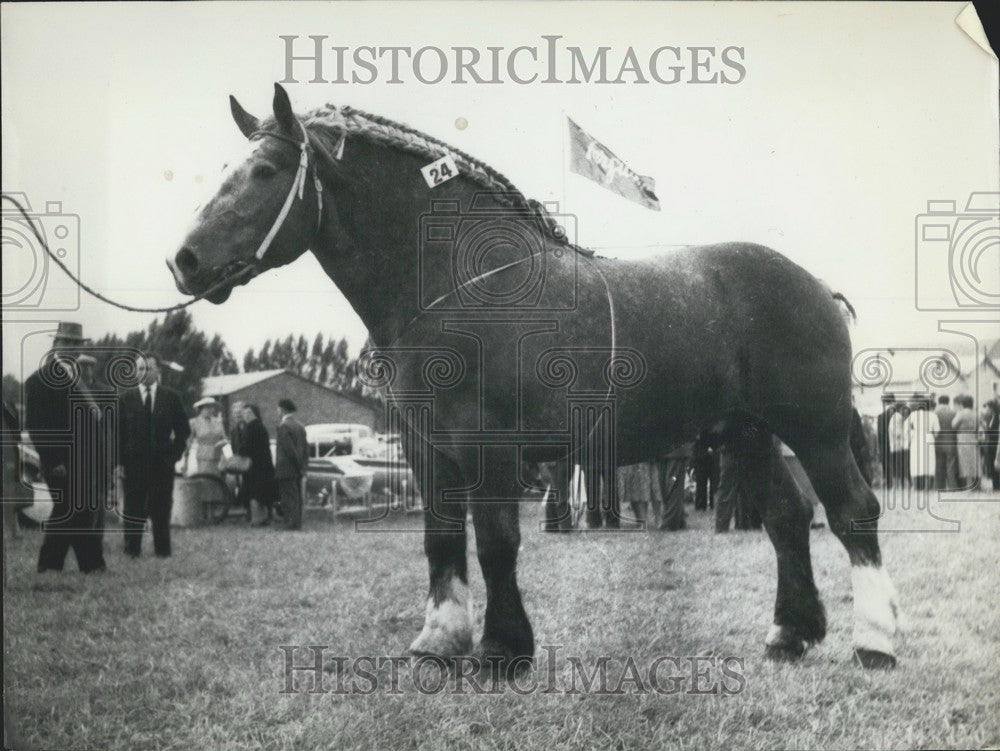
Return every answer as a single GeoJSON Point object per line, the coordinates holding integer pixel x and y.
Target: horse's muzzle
{"type": "Point", "coordinates": [178, 278]}
{"type": "Point", "coordinates": [216, 285]}
{"type": "Point", "coordinates": [220, 296]}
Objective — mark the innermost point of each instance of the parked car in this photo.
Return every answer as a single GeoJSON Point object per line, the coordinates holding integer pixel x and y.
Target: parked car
{"type": "Point", "coordinates": [31, 474]}
{"type": "Point", "coordinates": [340, 437]}
{"type": "Point", "coordinates": [386, 446]}
{"type": "Point", "coordinates": [383, 454]}
{"type": "Point", "coordinates": [334, 481]}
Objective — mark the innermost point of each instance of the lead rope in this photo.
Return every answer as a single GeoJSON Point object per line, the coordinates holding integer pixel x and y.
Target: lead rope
{"type": "Point", "coordinates": [297, 189]}
{"type": "Point", "coordinates": [90, 291]}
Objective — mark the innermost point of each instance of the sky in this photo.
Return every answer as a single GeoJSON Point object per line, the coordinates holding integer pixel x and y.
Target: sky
{"type": "Point", "coordinates": [850, 118]}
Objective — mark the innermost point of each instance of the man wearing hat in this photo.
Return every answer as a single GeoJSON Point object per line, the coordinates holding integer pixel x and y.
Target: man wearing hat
{"type": "Point", "coordinates": [65, 424]}
{"type": "Point", "coordinates": [153, 433]}
{"type": "Point", "coordinates": [291, 461]}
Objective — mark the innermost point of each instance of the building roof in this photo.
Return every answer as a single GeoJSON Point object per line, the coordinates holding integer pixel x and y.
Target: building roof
{"type": "Point", "coordinates": [224, 385]}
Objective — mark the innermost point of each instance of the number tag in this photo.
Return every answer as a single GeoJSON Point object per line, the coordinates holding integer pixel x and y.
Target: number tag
{"type": "Point", "coordinates": [439, 171]}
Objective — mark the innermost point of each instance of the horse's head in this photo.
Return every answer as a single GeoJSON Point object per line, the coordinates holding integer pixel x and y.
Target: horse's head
{"type": "Point", "coordinates": [265, 214]}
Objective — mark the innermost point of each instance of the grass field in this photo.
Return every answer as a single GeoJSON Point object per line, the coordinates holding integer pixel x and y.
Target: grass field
{"type": "Point", "coordinates": [184, 654]}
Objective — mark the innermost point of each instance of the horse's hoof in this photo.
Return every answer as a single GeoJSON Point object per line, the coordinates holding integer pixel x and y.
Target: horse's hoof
{"type": "Point", "coordinates": [447, 627]}
{"type": "Point", "coordinates": [871, 659]}
{"type": "Point", "coordinates": [440, 644]}
{"type": "Point", "coordinates": [785, 644]}
{"type": "Point", "coordinates": [785, 652]}
{"type": "Point", "coordinates": [442, 639]}
{"type": "Point", "coordinates": [500, 661]}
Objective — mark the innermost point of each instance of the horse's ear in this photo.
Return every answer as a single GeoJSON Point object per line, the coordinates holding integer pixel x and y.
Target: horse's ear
{"type": "Point", "coordinates": [247, 123]}
{"type": "Point", "coordinates": [283, 109]}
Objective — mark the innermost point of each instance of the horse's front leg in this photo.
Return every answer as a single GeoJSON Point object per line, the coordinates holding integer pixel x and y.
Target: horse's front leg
{"type": "Point", "coordinates": [507, 634]}
{"type": "Point", "coordinates": [448, 618]}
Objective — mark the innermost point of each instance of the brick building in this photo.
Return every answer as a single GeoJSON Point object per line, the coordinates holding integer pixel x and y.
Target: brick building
{"type": "Point", "coordinates": [265, 387]}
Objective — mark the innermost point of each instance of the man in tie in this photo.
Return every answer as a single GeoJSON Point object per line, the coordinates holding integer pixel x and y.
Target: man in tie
{"type": "Point", "coordinates": [64, 421]}
{"type": "Point", "coordinates": [291, 462]}
{"type": "Point", "coordinates": [153, 432]}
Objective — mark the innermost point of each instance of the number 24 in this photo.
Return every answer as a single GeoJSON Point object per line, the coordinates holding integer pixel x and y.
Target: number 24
{"type": "Point", "coordinates": [440, 175]}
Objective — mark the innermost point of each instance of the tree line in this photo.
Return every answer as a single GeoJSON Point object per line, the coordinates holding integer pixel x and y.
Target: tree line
{"type": "Point", "coordinates": [326, 361]}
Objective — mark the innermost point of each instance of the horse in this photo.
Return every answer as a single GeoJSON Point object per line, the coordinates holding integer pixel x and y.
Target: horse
{"type": "Point", "coordinates": [499, 341]}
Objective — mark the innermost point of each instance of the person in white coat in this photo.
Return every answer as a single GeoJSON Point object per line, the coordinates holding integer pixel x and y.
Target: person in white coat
{"type": "Point", "coordinates": [208, 436]}
{"type": "Point", "coordinates": [920, 431]}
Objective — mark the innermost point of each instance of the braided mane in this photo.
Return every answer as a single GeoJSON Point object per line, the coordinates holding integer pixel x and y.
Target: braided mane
{"type": "Point", "coordinates": [381, 130]}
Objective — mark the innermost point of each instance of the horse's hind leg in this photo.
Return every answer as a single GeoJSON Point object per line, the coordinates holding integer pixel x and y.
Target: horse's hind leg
{"type": "Point", "coordinates": [507, 633]}
{"type": "Point", "coordinates": [799, 618]}
{"type": "Point", "coordinates": [852, 512]}
{"type": "Point", "coordinates": [447, 627]}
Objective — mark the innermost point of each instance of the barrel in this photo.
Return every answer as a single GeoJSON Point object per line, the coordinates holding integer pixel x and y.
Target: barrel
{"type": "Point", "coordinates": [191, 496]}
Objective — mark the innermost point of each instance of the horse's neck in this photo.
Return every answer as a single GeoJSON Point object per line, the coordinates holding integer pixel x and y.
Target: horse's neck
{"type": "Point", "coordinates": [373, 244]}
{"type": "Point", "coordinates": [370, 251]}
{"type": "Point", "coordinates": [368, 293]}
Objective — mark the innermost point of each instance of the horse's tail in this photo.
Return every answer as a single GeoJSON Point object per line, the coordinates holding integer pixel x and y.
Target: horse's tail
{"type": "Point", "coordinates": [847, 304]}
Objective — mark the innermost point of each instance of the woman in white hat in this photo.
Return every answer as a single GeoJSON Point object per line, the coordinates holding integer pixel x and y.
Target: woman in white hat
{"type": "Point", "coordinates": [208, 436]}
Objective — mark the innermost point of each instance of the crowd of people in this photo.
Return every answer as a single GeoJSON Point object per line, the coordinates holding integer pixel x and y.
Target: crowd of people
{"type": "Point", "coordinates": [267, 488]}
{"type": "Point", "coordinates": [93, 440]}
{"type": "Point", "coordinates": [912, 445]}
{"type": "Point", "coordinates": [915, 444]}
{"type": "Point", "coordinates": [706, 473]}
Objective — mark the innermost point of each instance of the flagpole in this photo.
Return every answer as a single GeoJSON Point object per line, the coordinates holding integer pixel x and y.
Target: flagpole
{"type": "Point", "coordinates": [563, 207]}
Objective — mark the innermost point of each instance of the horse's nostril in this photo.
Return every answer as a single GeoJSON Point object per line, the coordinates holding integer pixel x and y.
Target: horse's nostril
{"type": "Point", "coordinates": [186, 261]}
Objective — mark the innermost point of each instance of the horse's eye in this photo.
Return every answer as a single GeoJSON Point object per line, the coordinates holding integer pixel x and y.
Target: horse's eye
{"type": "Point", "coordinates": [263, 170]}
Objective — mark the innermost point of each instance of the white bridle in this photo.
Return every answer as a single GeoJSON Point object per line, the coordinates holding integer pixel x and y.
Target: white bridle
{"type": "Point", "coordinates": [297, 188]}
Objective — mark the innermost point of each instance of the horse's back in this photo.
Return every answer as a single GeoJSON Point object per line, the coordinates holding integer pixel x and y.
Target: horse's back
{"type": "Point", "coordinates": [734, 328]}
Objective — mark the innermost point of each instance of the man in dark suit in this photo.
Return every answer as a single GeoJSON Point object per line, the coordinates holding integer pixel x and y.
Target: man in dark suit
{"type": "Point", "coordinates": [64, 421]}
{"type": "Point", "coordinates": [291, 461]}
{"type": "Point", "coordinates": [153, 432]}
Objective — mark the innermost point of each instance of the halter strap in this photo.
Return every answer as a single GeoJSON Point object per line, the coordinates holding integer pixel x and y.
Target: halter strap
{"type": "Point", "coordinates": [297, 188]}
